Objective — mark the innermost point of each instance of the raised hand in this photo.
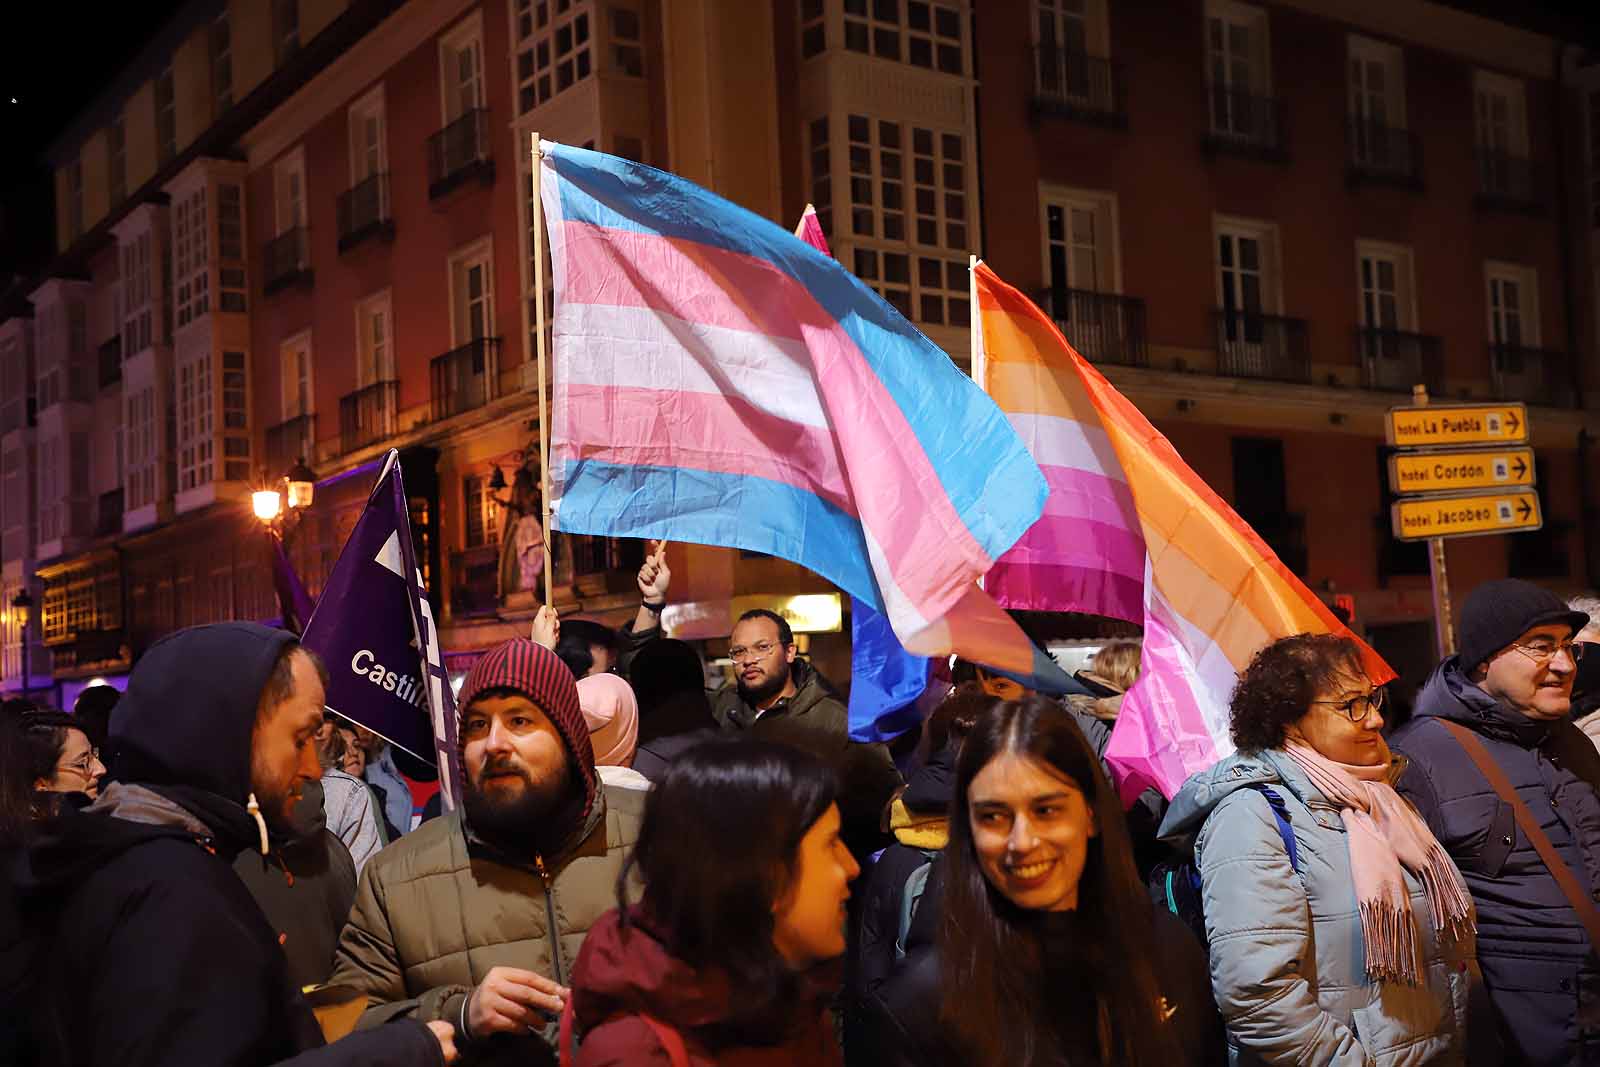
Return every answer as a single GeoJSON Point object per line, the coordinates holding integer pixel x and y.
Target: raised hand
{"type": "Point", "coordinates": [654, 576]}
{"type": "Point", "coordinates": [546, 627]}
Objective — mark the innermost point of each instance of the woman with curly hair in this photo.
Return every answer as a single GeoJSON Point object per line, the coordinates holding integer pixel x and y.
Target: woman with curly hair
{"type": "Point", "coordinates": [1355, 948]}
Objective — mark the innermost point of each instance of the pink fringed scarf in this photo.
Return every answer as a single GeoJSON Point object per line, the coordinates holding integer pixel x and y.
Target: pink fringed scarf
{"type": "Point", "coordinates": [1385, 835]}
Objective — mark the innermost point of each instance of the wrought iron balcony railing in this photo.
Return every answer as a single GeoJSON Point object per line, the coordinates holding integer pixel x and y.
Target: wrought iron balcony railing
{"type": "Point", "coordinates": [464, 377]}
{"type": "Point", "coordinates": [1395, 360]}
{"type": "Point", "coordinates": [1254, 345]}
{"type": "Point", "coordinates": [458, 152]}
{"type": "Point", "coordinates": [1507, 181]}
{"type": "Point", "coordinates": [286, 259]}
{"type": "Point", "coordinates": [289, 441]}
{"type": "Point", "coordinates": [368, 415]}
{"type": "Point", "coordinates": [1379, 152]}
{"type": "Point", "coordinates": [364, 211]}
{"type": "Point", "coordinates": [1078, 85]}
{"type": "Point", "coordinates": [1242, 121]}
{"type": "Point", "coordinates": [1103, 327]}
{"type": "Point", "coordinates": [1531, 375]}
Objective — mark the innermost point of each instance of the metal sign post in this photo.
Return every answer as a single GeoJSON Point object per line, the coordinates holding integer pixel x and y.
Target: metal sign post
{"type": "Point", "coordinates": [1444, 627]}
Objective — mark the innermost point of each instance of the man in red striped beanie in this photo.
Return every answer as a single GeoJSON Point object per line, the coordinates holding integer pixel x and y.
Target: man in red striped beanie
{"type": "Point", "coordinates": [477, 917]}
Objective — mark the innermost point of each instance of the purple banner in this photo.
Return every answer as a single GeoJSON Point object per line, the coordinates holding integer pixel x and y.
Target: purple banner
{"type": "Point", "coordinates": [374, 629]}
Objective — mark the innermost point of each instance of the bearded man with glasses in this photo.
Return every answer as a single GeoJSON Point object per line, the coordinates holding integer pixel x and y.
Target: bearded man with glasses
{"type": "Point", "coordinates": [1493, 732]}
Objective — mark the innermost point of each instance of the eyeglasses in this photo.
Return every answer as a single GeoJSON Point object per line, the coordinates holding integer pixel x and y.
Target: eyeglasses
{"type": "Point", "coordinates": [1543, 651]}
{"type": "Point", "coordinates": [81, 765]}
{"type": "Point", "coordinates": [758, 651]}
{"type": "Point", "coordinates": [1358, 707]}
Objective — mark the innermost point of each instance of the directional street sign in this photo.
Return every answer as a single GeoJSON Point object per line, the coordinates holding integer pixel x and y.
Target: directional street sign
{"type": "Point", "coordinates": [1466, 516]}
{"type": "Point", "coordinates": [1452, 471]}
{"type": "Point", "coordinates": [1460, 424]}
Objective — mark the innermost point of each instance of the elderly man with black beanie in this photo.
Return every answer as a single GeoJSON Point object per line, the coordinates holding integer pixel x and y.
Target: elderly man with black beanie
{"type": "Point", "coordinates": [1505, 699]}
{"type": "Point", "coordinates": [476, 918]}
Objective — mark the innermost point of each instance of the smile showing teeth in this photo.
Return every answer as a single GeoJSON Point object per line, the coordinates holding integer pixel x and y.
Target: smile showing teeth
{"type": "Point", "coordinates": [1032, 870]}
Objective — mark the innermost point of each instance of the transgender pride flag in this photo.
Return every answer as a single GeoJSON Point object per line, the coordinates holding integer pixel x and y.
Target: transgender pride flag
{"type": "Point", "coordinates": [1130, 531]}
{"type": "Point", "coordinates": [719, 381]}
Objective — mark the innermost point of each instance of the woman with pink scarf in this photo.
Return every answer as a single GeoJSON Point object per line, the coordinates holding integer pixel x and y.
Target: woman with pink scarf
{"type": "Point", "coordinates": [1357, 950]}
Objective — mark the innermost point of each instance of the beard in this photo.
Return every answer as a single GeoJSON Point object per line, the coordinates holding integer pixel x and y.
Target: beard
{"type": "Point", "coordinates": [523, 809]}
{"type": "Point", "coordinates": [278, 801]}
{"type": "Point", "coordinates": [766, 690]}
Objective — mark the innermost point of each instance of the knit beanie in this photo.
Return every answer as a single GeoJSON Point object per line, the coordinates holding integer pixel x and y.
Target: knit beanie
{"type": "Point", "coordinates": [538, 674]}
{"type": "Point", "coordinates": [1497, 613]}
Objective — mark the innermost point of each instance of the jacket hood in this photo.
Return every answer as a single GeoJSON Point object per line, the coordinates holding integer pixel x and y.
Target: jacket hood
{"type": "Point", "coordinates": [630, 971]}
{"type": "Point", "coordinates": [1204, 790]}
{"type": "Point", "coordinates": [930, 787]}
{"type": "Point", "coordinates": [70, 845]}
{"type": "Point", "coordinates": [187, 717]}
{"type": "Point", "coordinates": [1449, 694]}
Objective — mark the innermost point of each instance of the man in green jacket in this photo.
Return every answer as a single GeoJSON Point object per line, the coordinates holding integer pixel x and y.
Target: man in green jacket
{"type": "Point", "coordinates": [477, 917]}
{"type": "Point", "coordinates": [777, 696]}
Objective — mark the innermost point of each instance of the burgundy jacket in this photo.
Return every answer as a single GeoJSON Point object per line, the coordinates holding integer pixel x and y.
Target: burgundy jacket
{"type": "Point", "coordinates": [622, 974]}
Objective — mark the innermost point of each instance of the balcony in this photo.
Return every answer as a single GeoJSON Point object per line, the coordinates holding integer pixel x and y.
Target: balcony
{"type": "Point", "coordinates": [364, 212]}
{"type": "Point", "coordinates": [110, 361]}
{"type": "Point", "coordinates": [1392, 361]}
{"type": "Point", "coordinates": [1103, 327]}
{"type": "Point", "coordinates": [290, 441]}
{"type": "Point", "coordinates": [1531, 375]}
{"type": "Point", "coordinates": [459, 152]}
{"type": "Point", "coordinates": [1253, 345]}
{"type": "Point", "coordinates": [1507, 182]}
{"type": "Point", "coordinates": [367, 415]}
{"type": "Point", "coordinates": [1384, 154]}
{"type": "Point", "coordinates": [464, 378]}
{"type": "Point", "coordinates": [1243, 123]}
{"type": "Point", "coordinates": [1076, 85]}
{"type": "Point", "coordinates": [286, 260]}
{"type": "Point", "coordinates": [108, 514]}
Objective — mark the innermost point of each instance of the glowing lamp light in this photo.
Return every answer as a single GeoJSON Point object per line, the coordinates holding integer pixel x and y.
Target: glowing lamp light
{"type": "Point", "coordinates": [302, 481]}
{"type": "Point", "coordinates": [266, 503]}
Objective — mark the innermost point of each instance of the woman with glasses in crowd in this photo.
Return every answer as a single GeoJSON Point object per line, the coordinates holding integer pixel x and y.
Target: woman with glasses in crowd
{"type": "Point", "coordinates": [1354, 948]}
{"type": "Point", "coordinates": [59, 757]}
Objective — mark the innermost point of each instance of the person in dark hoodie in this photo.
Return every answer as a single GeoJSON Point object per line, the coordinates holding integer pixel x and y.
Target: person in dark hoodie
{"type": "Point", "coordinates": [674, 712]}
{"type": "Point", "coordinates": [476, 916]}
{"type": "Point", "coordinates": [156, 953]}
{"type": "Point", "coordinates": [305, 885]}
{"type": "Point", "coordinates": [1510, 688]}
{"type": "Point", "coordinates": [732, 962]}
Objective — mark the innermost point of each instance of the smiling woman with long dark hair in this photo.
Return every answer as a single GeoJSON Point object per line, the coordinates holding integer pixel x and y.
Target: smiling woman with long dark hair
{"type": "Point", "coordinates": [1049, 951]}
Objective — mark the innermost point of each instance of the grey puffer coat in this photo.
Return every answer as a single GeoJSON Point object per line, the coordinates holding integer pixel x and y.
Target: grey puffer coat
{"type": "Point", "coordinates": [1287, 963]}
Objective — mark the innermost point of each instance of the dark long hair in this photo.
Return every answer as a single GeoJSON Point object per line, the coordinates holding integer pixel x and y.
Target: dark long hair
{"type": "Point", "coordinates": [986, 943]}
{"type": "Point", "coordinates": [31, 743]}
{"type": "Point", "coordinates": [717, 849]}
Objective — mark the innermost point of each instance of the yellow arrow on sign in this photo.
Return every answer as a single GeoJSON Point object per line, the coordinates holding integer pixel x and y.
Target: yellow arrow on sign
{"type": "Point", "coordinates": [1466, 516]}
{"type": "Point", "coordinates": [1436, 471]}
{"type": "Point", "coordinates": [1461, 424]}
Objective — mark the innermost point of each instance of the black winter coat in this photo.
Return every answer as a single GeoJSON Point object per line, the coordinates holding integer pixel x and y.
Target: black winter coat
{"type": "Point", "coordinates": [1536, 959]}
{"type": "Point", "coordinates": [154, 952]}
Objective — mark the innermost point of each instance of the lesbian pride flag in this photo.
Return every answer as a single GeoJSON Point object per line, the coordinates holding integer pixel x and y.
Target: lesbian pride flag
{"type": "Point", "coordinates": [719, 381]}
{"type": "Point", "coordinates": [1131, 532]}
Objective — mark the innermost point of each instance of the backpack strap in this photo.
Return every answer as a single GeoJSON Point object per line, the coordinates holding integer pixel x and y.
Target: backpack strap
{"type": "Point", "coordinates": [1280, 814]}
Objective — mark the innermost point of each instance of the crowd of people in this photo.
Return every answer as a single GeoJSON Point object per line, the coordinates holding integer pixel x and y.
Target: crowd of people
{"type": "Point", "coordinates": [213, 869]}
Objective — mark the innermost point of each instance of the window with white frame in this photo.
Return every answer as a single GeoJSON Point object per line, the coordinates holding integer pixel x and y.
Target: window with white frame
{"type": "Point", "coordinates": [369, 149]}
{"type": "Point", "coordinates": [374, 341]}
{"type": "Point", "coordinates": [140, 450]}
{"type": "Point", "coordinates": [1501, 108]}
{"type": "Point", "coordinates": [117, 159]}
{"type": "Point", "coordinates": [289, 190]}
{"type": "Point", "coordinates": [1385, 279]}
{"type": "Point", "coordinates": [231, 282]}
{"type": "Point", "coordinates": [627, 41]}
{"type": "Point", "coordinates": [472, 294]}
{"type": "Point", "coordinates": [908, 203]}
{"type": "Point", "coordinates": [136, 295]}
{"type": "Point", "coordinates": [1080, 240]}
{"type": "Point", "coordinates": [1238, 68]}
{"type": "Point", "coordinates": [191, 257]}
{"type": "Point", "coordinates": [196, 430]}
{"type": "Point", "coordinates": [166, 116]}
{"type": "Point", "coordinates": [819, 158]}
{"type": "Point", "coordinates": [295, 360]}
{"type": "Point", "coordinates": [481, 512]}
{"type": "Point", "coordinates": [1377, 101]}
{"type": "Point", "coordinates": [923, 33]}
{"type": "Point", "coordinates": [1067, 35]}
{"type": "Point", "coordinates": [1249, 294]}
{"type": "Point", "coordinates": [220, 41]}
{"type": "Point", "coordinates": [1513, 301]}
{"type": "Point", "coordinates": [461, 69]}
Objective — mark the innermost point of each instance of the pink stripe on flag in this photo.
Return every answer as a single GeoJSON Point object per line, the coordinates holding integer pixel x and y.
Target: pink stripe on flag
{"type": "Point", "coordinates": [1050, 585]}
{"type": "Point", "coordinates": [722, 434]}
{"type": "Point", "coordinates": [904, 508]}
{"type": "Point", "coordinates": [1081, 494]}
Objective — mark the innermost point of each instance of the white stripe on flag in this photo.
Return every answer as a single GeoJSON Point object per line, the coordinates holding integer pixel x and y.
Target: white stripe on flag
{"type": "Point", "coordinates": [1061, 442]}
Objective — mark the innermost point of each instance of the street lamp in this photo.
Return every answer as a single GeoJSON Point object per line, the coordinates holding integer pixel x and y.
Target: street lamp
{"type": "Point", "coordinates": [266, 503]}
{"type": "Point", "coordinates": [302, 481]}
{"type": "Point", "coordinates": [299, 487]}
{"type": "Point", "coordinates": [21, 604]}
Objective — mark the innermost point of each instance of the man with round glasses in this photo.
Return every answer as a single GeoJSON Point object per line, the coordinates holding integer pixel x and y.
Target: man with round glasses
{"type": "Point", "coordinates": [1510, 686]}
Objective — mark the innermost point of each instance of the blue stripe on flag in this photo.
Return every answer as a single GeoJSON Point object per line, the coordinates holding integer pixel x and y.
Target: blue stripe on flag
{"type": "Point", "coordinates": [885, 679]}
{"type": "Point", "coordinates": [998, 498]}
{"type": "Point", "coordinates": [709, 508]}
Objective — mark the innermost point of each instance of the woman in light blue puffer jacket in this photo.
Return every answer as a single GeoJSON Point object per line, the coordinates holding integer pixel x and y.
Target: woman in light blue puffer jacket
{"type": "Point", "coordinates": [1360, 953]}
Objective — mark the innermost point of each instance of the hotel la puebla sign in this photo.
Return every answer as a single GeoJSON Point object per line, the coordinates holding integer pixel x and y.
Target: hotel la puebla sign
{"type": "Point", "coordinates": [1461, 424]}
{"type": "Point", "coordinates": [1452, 489]}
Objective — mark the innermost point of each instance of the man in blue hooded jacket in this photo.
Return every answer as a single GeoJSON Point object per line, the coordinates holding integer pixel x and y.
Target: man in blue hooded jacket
{"type": "Point", "coordinates": [1511, 685]}
{"type": "Point", "coordinates": [155, 951]}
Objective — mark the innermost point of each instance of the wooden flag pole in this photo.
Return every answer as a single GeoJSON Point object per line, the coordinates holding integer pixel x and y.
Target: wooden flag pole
{"type": "Point", "coordinates": [543, 358]}
{"type": "Point", "coordinates": [975, 323]}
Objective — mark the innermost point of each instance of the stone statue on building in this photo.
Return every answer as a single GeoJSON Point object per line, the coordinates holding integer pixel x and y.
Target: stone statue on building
{"type": "Point", "coordinates": [522, 531]}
